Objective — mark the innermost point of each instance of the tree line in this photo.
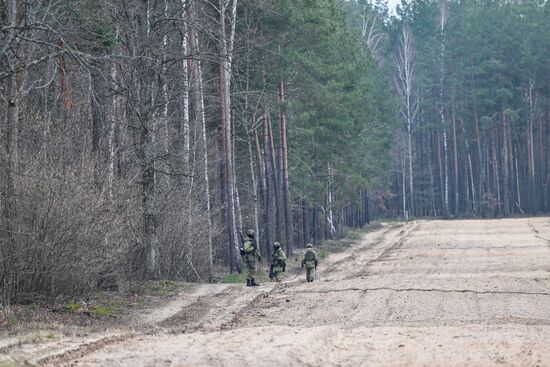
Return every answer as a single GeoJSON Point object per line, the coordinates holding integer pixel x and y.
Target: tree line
{"type": "Point", "coordinates": [472, 80]}
{"type": "Point", "coordinates": [139, 137]}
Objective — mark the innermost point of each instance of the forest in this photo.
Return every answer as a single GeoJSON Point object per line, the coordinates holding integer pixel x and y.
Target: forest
{"type": "Point", "coordinates": [140, 138]}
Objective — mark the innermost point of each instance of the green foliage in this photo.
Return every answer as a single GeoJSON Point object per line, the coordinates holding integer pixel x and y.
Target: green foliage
{"type": "Point", "coordinates": [72, 306]}
{"type": "Point", "coordinates": [162, 287]}
{"type": "Point", "coordinates": [322, 254]}
{"type": "Point", "coordinates": [13, 320]}
{"type": "Point", "coordinates": [98, 311]}
{"type": "Point", "coordinates": [234, 278]}
{"type": "Point", "coordinates": [478, 71]}
{"type": "Point", "coordinates": [340, 109]}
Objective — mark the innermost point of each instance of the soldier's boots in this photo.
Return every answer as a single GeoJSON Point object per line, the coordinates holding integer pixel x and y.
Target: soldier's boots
{"type": "Point", "coordinates": [248, 282]}
{"type": "Point", "coordinates": [253, 283]}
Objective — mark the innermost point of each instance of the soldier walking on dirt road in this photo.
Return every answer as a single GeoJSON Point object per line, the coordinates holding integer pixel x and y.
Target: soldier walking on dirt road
{"type": "Point", "coordinates": [278, 262]}
{"type": "Point", "coordinates": [310, 262]}
{"type": "Point", "coordinates": [250, 253]}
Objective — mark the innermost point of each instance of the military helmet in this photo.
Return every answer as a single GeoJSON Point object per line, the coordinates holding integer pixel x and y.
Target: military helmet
{"type": "Point", "coordinates": [309, 245]}
{"type": "Point", "coordinates": [276, 245]}
{"type": "Point", "coordinates": [250, 233]}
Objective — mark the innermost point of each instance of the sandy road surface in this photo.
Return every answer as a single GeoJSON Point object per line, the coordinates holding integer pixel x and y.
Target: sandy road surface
{"type": "Point", "coordinates": [437, 293]}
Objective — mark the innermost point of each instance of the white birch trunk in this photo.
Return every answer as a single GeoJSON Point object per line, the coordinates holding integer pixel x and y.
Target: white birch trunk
{"type": "Point", "coordinates": [403, 187]}
{"type": "Point", "coordinates": [200, 118]}
{"type": "Point", "coordinates": [185, 133]}
{"type": "Point", "coordinates": [404, 64]}
{"type": "Point", "coordinates": [443, 20]}
{"type": "Point", "coordinates": [225, 89]}
{"type": "Point", "coordinates": [112, 134]}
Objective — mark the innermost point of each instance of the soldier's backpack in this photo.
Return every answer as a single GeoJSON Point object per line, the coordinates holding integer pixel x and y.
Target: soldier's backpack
{"type": "Point", "coordinates": [309, 258]}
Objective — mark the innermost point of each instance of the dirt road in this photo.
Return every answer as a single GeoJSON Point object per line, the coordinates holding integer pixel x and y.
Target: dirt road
{"type": "Point", "coordinates": [429, 293]}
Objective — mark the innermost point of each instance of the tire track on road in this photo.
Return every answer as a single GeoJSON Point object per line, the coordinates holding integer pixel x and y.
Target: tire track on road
{"type": "Point", "coordinates": [375, 289]}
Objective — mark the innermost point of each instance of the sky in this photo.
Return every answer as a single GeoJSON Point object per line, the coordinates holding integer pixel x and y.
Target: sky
{"type": "Point", "coordinates": [392, 4]}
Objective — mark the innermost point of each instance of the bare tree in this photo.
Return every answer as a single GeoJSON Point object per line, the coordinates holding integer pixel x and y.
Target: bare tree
{"type": "Point", "coordinates": [225, 50]}
{"type": "Point", "coordinates": [197, 90]}
{"type": "Point", "coordinates": [144, 142]}
{"type": "Point", "coordinates": [405, 74]}
{"type": "Point", "coordinates": [371, 29]}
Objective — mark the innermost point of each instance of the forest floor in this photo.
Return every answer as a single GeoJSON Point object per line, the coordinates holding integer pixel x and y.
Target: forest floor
{"type": "Point", "coordinates": [425, 293]}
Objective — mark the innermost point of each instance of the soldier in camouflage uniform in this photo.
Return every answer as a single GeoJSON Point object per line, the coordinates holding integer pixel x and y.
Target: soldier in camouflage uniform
{"type": "Point", "coordinates": [278, 262]}
{"type": "Point", "coordinates": [250, 253]}
{"type": "Point", "coordinates": [310, 262]}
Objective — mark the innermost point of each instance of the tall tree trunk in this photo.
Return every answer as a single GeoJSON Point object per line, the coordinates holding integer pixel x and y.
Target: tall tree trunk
{"type": "Point", "coordinates": [8, 160]}
{"type": "Point", "coordinates": [225, 110]}
{"type": "Point", "coordinates": [531, 148]}
{"type": "Point", "coordinates": [505, 164]}
{"type": "Point", "coordinates": [455, 155]}
{"type": "Point", "coordinates": [542, 163]}
{"type": "Point", "coordinates": [403, 188]}
{"type": "Point", "coordinates": [441, 170]}
{"type": "Point", "coordinates": [144, 144]}
{"type": "Point", "coordinates": [518, 186]}
{"type": "Point", "coordinates": [276, 183]}
{"type": "Point", "coordinates": [254, 185]}
{"type": "Point", "coordinates": [164, 127]}
{"type": "Point", "coordinates": [234, 148]}
{"type": "Point", "coordinates": [430, 168]}
{"type": "Point", "coordinates": [496, 169]}
{"type": "Point", "coordinates": [197, 91]}
{"type": "Point", "coordinates": [113, 137]}
{"type": "Point", "coordinates": [329, 211]}
{"type": "Point", "coordinates": [480, 168]}
{"type": "Point", "coordinates": [262, 183]}
{"type": "Point", "coordinates": [284, 170]}
{"type": "Point", "coordinates": [404, 64]}
{"type": "Point", "coordinates": [185, 67]}
{"type": "Point", "coordinates": [442, 74]}
{"type": "Point", "coordinates": [98, 104]}
{"type": "Point", "coordinates": [268, 209]}
{"type": "Point", "coordinates": [305, 223]}
{"type": "Point", "coordinates": [471, 169]}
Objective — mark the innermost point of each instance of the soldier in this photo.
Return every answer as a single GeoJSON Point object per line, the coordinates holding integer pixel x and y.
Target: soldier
{"type": "Point", "coordinates": [250, 253]}
{"type": "Point", "coordinates": [310, 262]}
{"type": "Point", "coordinates": [278, 262]}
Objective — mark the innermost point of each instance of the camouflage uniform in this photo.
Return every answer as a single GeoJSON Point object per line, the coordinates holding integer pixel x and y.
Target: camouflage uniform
{"type": "Point", "coordinates": [278, 262]}
{"type": "Point", "coordinates": [310, 262]}
{"type": "Point", "coordinates": [250, 254]}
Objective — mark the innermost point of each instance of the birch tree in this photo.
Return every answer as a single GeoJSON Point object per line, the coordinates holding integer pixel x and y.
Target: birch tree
{"type": "Point", "coordinates": [197, 92]}
{"type": "Point", "coordinates": [405, 74]}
